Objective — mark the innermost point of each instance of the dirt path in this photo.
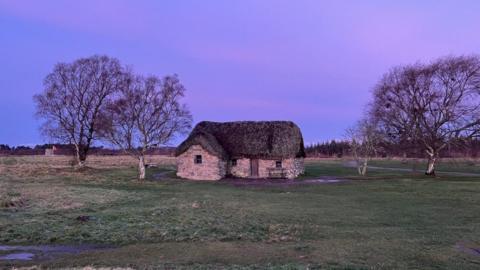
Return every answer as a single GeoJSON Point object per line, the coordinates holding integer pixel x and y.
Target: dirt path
{"type": "Point", "coordinates": [246, 182]}
{"type": "Point", "coordinates": [240, 182]}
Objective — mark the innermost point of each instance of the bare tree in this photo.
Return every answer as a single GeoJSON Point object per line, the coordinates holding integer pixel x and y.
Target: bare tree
{"type": "Point", "coordinates": [430, 105]}
{"type": "Point", "coordinates": [364, 143]}
{"type": "Point", "coordinates": [73, 98]}
{"type": "Point", "coordinates": [147, 113]}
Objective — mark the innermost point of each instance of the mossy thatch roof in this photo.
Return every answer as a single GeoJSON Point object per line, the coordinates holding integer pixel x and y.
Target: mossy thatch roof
{"type": "Point", "coordinates": [249, 139]}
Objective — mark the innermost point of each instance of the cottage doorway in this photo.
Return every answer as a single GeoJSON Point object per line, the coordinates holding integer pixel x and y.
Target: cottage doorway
{"type": "Point", "coordinates": [254, 167]}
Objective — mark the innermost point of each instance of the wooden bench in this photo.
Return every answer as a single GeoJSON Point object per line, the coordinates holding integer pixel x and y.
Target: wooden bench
{"type": "Point", "coordinates": [277, 173]}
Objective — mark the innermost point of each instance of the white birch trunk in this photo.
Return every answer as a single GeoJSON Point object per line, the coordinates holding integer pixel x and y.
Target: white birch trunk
{"type": "Point", "coordinates": [362, 167]}
{"type": "Point", "coordinates": [79, 161]}
{"type": "Point", "coordinates": [431, 166]}
{"type": "Point", "coordinates": [431, 162]}
{"type": "Point", "coordinates": [141, 168]}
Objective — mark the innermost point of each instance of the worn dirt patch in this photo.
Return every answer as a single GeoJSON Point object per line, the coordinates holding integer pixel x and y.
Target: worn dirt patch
{"type": "Point", "coordinates": [240, 182]}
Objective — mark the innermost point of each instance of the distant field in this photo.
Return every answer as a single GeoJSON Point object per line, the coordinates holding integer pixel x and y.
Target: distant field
{"type": "Point", "coordinates": [447, 164]}
{"type": "Point", "coordinates": [387, 220]}
{"type": "Point", "coordinates": [417, 165]}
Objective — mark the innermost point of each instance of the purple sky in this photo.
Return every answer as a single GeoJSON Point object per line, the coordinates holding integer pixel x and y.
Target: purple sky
{"type": "Point", "coordinates": [312, 62]}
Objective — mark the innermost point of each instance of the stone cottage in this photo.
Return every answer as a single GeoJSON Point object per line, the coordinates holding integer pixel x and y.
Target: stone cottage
{"type": "Point", "coordinates": [267, 149]}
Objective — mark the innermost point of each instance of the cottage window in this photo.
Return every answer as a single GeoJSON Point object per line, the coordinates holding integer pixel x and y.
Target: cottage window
{"type": "Point", "coordinates": [234, 162]}
{"type": "Point", "coordinates": [278, 164]}
{"type": "Point", "coordinates": [198, 159]}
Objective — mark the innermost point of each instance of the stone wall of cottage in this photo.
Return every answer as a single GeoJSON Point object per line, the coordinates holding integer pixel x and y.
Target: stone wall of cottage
{"type": "Point", "coordinates": [242, 169]}
{"type": "Point", "coordinates": [214, 168]}
{"type": "Point", "coordinates": [298, 167]}
{"type": "Point", "coordinates": [292, 167]}
{"type": "Point", "coordinates": [211, 168]}
{"type": "Point", "coordinates": [263, 166]}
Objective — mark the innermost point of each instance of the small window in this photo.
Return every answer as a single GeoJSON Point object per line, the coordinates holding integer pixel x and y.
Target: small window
{"type": "Point", "coordinates": [234, 162]}
{"type": "Point", "coordinates": [198, 159]}
{"type": "Point", "coordinates": [278, 164]}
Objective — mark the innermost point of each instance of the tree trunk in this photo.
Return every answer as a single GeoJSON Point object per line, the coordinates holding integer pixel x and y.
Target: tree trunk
{"type": "Point", "coordinates": [80, 157]}
{"type": "Point", "coordinates": [431, 162]}
{"type": "Point", "coordinates": [141, 168]}
{"type": "Point", "coordinates": [364, 167]}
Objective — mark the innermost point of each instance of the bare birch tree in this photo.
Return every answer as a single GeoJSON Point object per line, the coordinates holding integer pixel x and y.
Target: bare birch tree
{"type": "Point", "coordinates": [430, 105]}
{"type": "Point", "coordinates": [364, 143]}
{"type": "Point", "coordinates": [148, 112]}
{"type": "Point", "coordinates": [73, 98]}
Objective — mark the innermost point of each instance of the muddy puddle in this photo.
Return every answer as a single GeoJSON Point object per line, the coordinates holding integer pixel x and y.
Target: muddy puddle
{"type": "Point", "coordinates": [42, 252]}
{"type": "Point", "coordinates": [469, 248]}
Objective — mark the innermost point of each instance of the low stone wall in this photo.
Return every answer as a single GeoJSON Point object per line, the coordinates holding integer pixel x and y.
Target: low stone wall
{"type": "Point", "coordinates": [211, 168]}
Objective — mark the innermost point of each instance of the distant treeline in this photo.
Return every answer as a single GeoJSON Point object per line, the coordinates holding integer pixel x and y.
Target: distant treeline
{"type": "Point", "coordinates": [333, 148]}
{"type": "Point", "coordinates": [65, 149]}
{"type": "Point", "coordinates": [328, 149]}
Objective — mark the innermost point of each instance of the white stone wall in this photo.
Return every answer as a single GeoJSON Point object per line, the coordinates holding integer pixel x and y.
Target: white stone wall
{"type": "Point", "coordinates": [211, 168]}
{"type": "Point", "coordinates": [297, 168]}
{"type": "Point", "coordinates": [242, 169]}
{"type": "Point", "coordinates": [293, 167]}
{"type": "Point", "coordinates": [263, 165]}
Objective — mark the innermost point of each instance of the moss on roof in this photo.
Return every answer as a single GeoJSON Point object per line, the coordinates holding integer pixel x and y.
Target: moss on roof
{"type": "Point", "coordinates": [250, 139]}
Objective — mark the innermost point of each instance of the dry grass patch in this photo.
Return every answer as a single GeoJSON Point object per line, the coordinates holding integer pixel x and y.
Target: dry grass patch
{"type": "Point", "coordinates": [58, 197]}
{"type": "Point", "coordinates": [92, 161]}
{"type": "Point", "coordinates": [53, 195]}
{"type": "Point", "coordinates": [44, 167]}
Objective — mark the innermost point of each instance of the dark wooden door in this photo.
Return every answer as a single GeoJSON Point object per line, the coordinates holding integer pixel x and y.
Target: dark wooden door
{"type": "Point", "coordinates": [254, 167]}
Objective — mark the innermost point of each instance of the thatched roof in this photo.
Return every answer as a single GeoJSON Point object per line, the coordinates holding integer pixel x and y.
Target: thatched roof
{"type": "Point", "coordinates": [266, 139]}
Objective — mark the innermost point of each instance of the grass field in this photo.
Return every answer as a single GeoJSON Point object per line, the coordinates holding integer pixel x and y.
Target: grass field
{"type": "Point", "coordinates": [387, 220]}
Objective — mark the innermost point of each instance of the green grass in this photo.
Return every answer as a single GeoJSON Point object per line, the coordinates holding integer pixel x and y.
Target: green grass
{"type": "Point", "coordinates": [387, 220]}
{"type": "Point", "coordinates": [446, 165]}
